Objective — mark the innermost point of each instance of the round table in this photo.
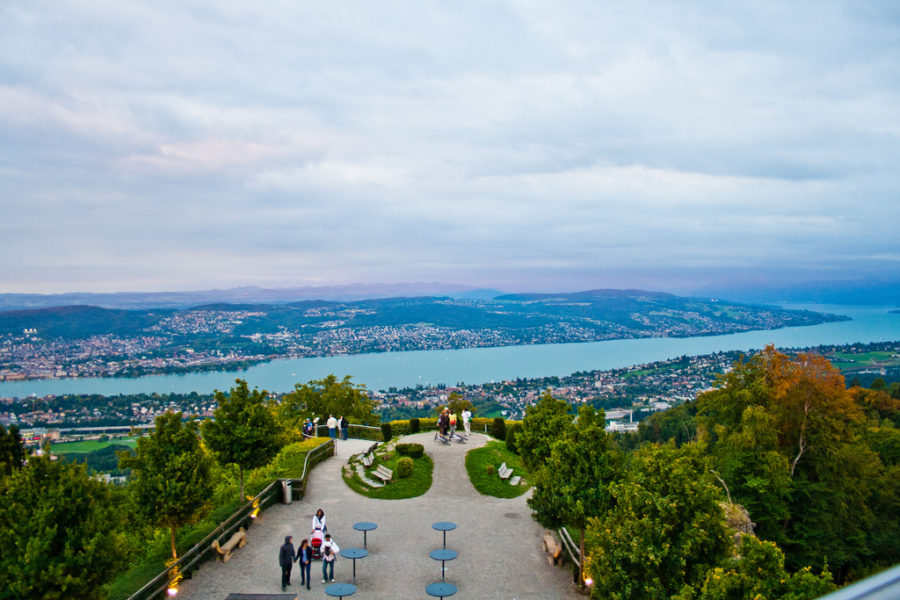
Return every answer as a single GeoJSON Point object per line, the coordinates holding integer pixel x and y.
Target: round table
{"type": "Point", "coordinates": [443, 555]}
{"type": "Point", "coordinates": [354, 553]}
{"type": "Point", "coordinates": [339, 590]}
{"type": "Point", "coordinates": [365, 527]}
{"type": "Point", "coordinates": [444, 526]}
{"type": "Point", "coordinates": [440, 589]}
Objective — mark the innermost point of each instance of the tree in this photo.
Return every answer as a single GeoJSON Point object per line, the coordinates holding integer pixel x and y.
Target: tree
{"type": "Point", "coordinates": [789, 439]}
{"type": "Point", "coordinates": [12, 450]}
{"type": "Point", "coordinates": [665, 530]}
{"type": "Point", "coordinates": [757, 571]}
{"type": "Point", "coordinates": [61, 532]}
{"type": "Point", "coordinates": [328, 397]}
{"type": "Point", "coordinates": [457, 404]}
{"type": "Point", "coordinates": [243, 430]}
{"type": "Point", "coordinates": [171, 478]}
{"type": "Point", "coordinates": [544, 423]}
{"type": "Point", "coordinates": [573, 484]}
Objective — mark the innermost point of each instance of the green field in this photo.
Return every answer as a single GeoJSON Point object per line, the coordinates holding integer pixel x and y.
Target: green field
{"type": "Point", "coordinates": [91, 445]}
{"type": "Point", "coordinates": [847, 361]}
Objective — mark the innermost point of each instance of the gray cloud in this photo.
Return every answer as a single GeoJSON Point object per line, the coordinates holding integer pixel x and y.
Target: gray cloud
{"type": "Point", "coordinates": [183, 146]}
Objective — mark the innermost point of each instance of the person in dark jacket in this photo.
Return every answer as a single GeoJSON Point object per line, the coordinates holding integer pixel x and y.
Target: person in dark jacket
{"type": "Point", "coordinates": [345, 427]}
{"type": "Point", "coordinates": [286, 557]}
{"type": "Point", "coordinates": [304, 555]}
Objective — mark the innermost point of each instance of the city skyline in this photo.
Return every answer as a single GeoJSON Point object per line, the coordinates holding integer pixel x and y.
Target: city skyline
{"type": "Point", "coordinates": [503, 145]}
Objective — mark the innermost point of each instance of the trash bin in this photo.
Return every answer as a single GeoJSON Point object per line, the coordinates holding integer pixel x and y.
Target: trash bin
{"type": "Point", "coordinates": [286, 495]}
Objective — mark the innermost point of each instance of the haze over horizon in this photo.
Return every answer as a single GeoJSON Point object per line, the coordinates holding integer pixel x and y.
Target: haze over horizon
{"type": "Point", "coordinates": [522, 147]}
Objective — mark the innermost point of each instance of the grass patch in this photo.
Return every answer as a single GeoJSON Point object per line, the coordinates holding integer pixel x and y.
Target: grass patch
{"type": "Point", "coordinates": [409, 487]}
{"type": "Point", "coordinates": [494, 454]}
{"type": "Point", "coordinates": [86, 446]}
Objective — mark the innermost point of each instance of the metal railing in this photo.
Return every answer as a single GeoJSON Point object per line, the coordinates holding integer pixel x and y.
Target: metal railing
{"type": "Point", "coordinates": [243, 516]}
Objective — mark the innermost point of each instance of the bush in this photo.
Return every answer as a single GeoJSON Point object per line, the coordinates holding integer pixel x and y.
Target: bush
{"type": "Point", "coordinates": [404, 467]}
{"type": "Point", "coordinates": [414, 426]}
{"type": "Point", "coordinates": [498, 428]}
{"type": "Point", "coordinates": [411, 450]}
{"type": "Point", "coordinates": [490, 469]}
{"type": "Point", "coordinates": [386, 432]}
{"type": "Point", "coordinates": [512, 434]}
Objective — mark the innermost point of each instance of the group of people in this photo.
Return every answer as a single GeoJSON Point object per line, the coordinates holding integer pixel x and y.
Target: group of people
{"type": "Point", "coordinates": [448, 420]}
{"type": "Point", "coordinates": [337, 427]}
{"type": "Point", "coordinates": [319, 543]}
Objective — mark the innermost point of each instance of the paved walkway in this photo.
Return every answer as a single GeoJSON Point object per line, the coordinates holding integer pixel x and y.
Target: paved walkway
{"type": "Point", "coordinates": [499, 545]}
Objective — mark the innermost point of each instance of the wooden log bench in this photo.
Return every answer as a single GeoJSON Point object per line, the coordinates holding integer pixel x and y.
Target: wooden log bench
{"type": "Point", "coordinates": [383, 473]}
{"type": "Point", "coordinates": [552, 548]}
{"type": "Point", "coordinates": [238, 540]}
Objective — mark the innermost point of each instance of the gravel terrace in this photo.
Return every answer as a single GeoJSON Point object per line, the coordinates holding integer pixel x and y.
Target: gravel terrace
{"type": "Point", "coordinates": [499, 545]}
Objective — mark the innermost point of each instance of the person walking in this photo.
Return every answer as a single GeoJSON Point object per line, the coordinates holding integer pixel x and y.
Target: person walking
{"type": "Point", "coordinates": [286, 559]}
{"type": "Point", "coordinates": [328, 558]}
{"type": "Point", "coordinates": [345, 428]}
{"type": "Point", "coordinates": [331, 423]}
{"type": "Point", "coordinates": [304, 555]}
{"type": "Point", "coordinates": [467, 421]}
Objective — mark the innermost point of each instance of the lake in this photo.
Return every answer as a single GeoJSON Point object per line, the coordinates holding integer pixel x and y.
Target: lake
{"type": "Point", "coordinates": [482, 365]}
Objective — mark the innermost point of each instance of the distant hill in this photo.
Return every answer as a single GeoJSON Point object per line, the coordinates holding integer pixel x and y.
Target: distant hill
{"type": "Point", "coordinates": [241, 295]}
{"type": "Point", "coordinates": [859, 292]}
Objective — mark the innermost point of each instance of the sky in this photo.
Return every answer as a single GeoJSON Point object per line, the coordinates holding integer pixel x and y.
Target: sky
{"type": "Point", "coordinates": [543, 146]}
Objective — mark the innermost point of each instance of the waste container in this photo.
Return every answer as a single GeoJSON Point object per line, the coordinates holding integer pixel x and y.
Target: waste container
{"type": "Point", "coordinates": [286, 495]}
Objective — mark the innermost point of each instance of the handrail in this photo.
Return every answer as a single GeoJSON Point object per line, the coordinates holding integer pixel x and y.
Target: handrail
{"type": "Point", "coordinates": [571, 548]}
{"type": "Point", "coordinates": [159, 584]}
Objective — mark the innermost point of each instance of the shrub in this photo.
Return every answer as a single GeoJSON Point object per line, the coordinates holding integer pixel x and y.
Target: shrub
{"type": "Point", "coordinates": [498, 428]}
{"type": "Point", "coordinates": [411, 450]}
{"type": "Point", "coordinates": [414, 425]}
{"type": "Point", "coordinates": [386, 431]}
{"type": "Point", "coordinates": [404, 467]}
{"type": "Point", "coordinates": [490, 469]}
{"type": "Point", "coordinates": [512, 434]}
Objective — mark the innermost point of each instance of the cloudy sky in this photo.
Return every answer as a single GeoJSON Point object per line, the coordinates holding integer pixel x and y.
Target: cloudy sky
{"type": "Point", "coordinates": [174, 145]}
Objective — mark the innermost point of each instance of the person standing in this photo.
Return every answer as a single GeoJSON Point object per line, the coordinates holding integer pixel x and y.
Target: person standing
{"type": "Point", "coordinates": [318, 521]}
{"type": "Point", "coordinates": [304, 555]}
{"type": "Point", "coordinates": [286, 559]}
{"type": "Point", "coordinates": [327, 562]}
{"type": "Point", "coordinates": [452, 424]}
{"type": "Point", "coordinates": [331, 423]}
{"type": "Point", "coordinates": [467, 418]}
{"type": "Point", "coordinates": [444, 422]}
{"type": "Point", "coordinates": [345, 428]}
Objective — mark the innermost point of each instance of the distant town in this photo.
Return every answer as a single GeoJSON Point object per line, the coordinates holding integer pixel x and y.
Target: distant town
{"type": "Point", "coordinates": [628, 395]}
{"type": "Point", "coordinates": [83, 341]}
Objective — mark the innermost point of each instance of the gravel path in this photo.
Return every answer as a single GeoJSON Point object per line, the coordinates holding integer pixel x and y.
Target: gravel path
{"type": "Point", "coordinates": [499, 545]}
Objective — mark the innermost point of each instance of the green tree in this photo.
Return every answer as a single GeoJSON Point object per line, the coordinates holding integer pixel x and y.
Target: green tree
{"type": "Point", "coordinates": [12, 450]}
{"type": "Point", "coordinates": [458, 404]}
{"type": "Point", "coordinates": [243, 430]}
{"type": "Point", "coordinates": [544, 423]}
{"type": "Point", "coordinates": [171, 470]}
{"type": "Point", "coordinates": [61, 533]}
{"type": "Point", "coordinates": [328, 396]}
{"type": "Point", "coordinates": [666, 528]}
{"type": "Point", "coordinates": [756, 572]}
{"type": "Point", "coordinates": [573, 484]}
{"type": "Point", "coordinates": [789, 439]}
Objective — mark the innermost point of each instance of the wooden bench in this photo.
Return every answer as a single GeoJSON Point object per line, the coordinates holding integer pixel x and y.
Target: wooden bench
{"type": "Point", "coordinates": [383, 473]}
{"type": "Point", "coordinates": [504, 472]}
{"type": "Point", "coordinates": [514, 480]}
{"type": "Point", "coordinates": [365, 478]}
{"type": "Point", "coordinates": [552, 548]}
{"type": "Point", "coordinates": [239, 540]}
{"type": "Point", "coordinates": [367, 460]}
